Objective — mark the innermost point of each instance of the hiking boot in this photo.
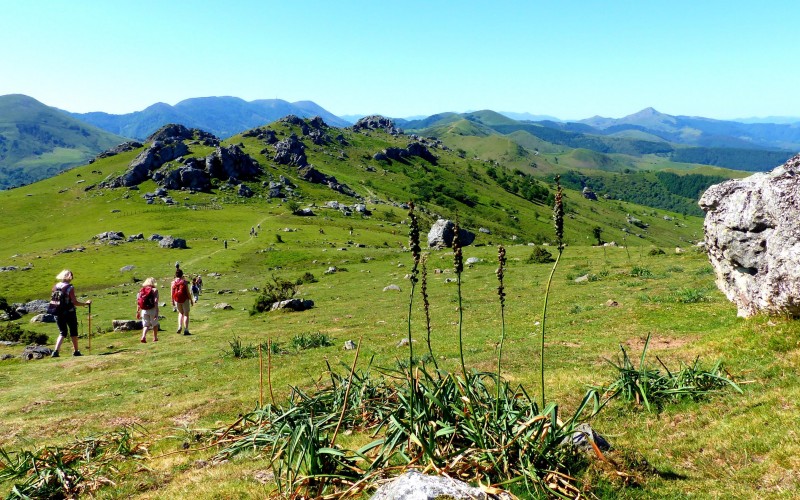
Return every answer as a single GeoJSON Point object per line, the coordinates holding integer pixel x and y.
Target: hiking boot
{"type": "Point", "coordinates": [77, 353]}
{"type": "Point", "coordinates": [186, 332]}
{"type": "Point", "coordinates": [54, 354]}
{"type": "Point", "coordinates": [178, 330]}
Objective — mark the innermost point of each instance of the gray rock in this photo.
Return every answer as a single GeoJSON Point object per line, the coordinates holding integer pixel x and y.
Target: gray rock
{"type": "Point", "coordinates": [127, 268]}
{"type": "Point", "coordinates": [414, 485]}
{"type": "Point", "coordinates": [43, 318]}
{"type": "Point", "coordinates": [582, 438]}
{"type": "Point", "coordinates": [349, 345]}
{"type": "Point", "coordinates": [484, 230]}
{"type": "Point", "coordinates": [753, 240]}
{"type": "Point", "coordinates": [391, 288]}
{"type": "Point", "coordinates": [223, 306]}
{"type": "Point", "coordinates": [244, 191]}
{"type": "Point", "coordinates": [473, 260]}
{"type": "Point", "coordinates": [170, 242]}
{"type": "Point", "coordinates": [293, 305]}
{"type": "Point", "coordinates": [582, 279]}
{"type": "Point", "coordinates": [124, 325]}
{"type": "Point", "coordinates": [442, 232]}
{"type": "Point", "coordinates": [36, 352]}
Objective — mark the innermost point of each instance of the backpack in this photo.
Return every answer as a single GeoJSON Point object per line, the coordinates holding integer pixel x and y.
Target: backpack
{"type": "Point", "coordinates": [146, 298]}
{"type": "Point", "coordinates": [59, 300]}
{"type": "Point", "coordinates": [179, 292]}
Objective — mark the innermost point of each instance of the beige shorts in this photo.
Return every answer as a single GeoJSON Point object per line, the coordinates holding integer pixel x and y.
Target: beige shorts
{"type": "Point", "coordinates": [150, 318]}
{"type": "Point", "coordinates": [184, 307]}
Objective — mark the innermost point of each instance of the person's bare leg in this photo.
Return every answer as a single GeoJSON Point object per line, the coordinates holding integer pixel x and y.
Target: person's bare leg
{"type": "Point", "coordinates": [155, 334]}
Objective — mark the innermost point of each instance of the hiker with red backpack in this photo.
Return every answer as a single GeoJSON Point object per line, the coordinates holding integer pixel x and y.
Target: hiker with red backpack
{"type": "Point", "coordinates": [62, 306]}
{"type": "Point", "coordinates": [182, 301]}
{"type": "Point", "coordinates": [147, 309]}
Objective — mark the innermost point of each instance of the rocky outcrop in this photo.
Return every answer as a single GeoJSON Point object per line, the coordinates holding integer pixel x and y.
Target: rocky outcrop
{"type": "Point", "coordinates": [753, 239]}
{"type": "Point", "coordinates": [442, 232]}
{"type": "Point", "coordinates": [170, 242]}
{"type": "Point", "coordinates": [148, 160]}
{"type": "Point", "coordinates": [589, 194]}
{"type": "Point", "coordinates": [290, 151]}
{"type": "Point", "coordinates": [403, 154]}
{"type": "Point", "coordinates": [311, 174]}
{"type": "Point", "coordinates": [377, 122]}
{"type": "Point", "coordinates": [120, 148]}
{"type": "Point", "coordinates": [231, 163]}
{"type": "Point", "coordinates": [176, 132]}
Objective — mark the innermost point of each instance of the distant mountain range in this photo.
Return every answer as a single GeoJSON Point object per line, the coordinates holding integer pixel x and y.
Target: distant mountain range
{"type": "Point", "coordinates": [37, 141]}
{"type": "Point", "coordinates": [222, 116]}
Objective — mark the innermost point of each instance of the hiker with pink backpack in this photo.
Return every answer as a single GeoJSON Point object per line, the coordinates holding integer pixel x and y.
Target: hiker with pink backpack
{"type": "Point", "coordinates": [181, 301]}
{"type": "Point", "coordinates": [147, 309]}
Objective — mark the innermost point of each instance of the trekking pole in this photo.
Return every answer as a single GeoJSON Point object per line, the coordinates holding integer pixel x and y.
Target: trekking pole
{"type": "Point", "coordinates": [90, 327]}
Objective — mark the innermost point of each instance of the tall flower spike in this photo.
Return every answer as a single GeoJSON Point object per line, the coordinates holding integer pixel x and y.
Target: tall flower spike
{"type": "Point", "coordinates": [458, 258]}
{"type": "Point", "coordinates": [501, 264]}
{"type": "Point", "coordinates": [413, 241]}
{"type": "Point", "coordinates": [558, 214]}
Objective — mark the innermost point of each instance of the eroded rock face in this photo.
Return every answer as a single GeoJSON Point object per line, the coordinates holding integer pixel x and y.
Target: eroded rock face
{"type": "Point", "coordinates": [752, 237]}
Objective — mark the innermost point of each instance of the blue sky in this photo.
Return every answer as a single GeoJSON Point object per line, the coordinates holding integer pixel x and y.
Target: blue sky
{"type": "Point", "coordinates": [569, 59]}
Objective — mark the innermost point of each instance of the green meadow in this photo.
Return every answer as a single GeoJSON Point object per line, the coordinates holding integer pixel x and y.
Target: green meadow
{"type": "Point", "coordinates": [174, 396]}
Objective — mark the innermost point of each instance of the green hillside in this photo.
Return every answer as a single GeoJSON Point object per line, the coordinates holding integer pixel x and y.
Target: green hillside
{"type": "Point", "coordinates": [179, 417]}
{"type": "Point", "coordinates": [37, 141]}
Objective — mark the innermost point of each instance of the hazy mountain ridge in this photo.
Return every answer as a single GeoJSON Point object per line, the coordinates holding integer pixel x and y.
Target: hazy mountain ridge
{"type": "Point", "coordinates": [222, 116]}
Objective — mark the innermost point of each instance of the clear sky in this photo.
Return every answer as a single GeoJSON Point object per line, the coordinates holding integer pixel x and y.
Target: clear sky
{"type": "Point", "coordinates": [569, 59]}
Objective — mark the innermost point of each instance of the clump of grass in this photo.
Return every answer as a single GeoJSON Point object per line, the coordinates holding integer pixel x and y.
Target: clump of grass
{"type": "Point", "coordinates": [240, 350]}
{"type": "Point", "coordinates": [305, 341]}
{"type": "Point", "coordinates": [77, 469]}
{"type": "Point", "coordinates": [640, 272]}
{"type": "Point", "coordinates": [540, 255]}
{"type": "Point", "coordinates": [652, 388]}
{"type": "Point", "coordinates": [690, 296]}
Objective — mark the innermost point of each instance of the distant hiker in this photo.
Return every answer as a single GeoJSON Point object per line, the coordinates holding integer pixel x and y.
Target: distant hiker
{"type": "Point", "coordinates": [177, 265]}
{"type": "Point", "coordinates": [147, 309]}
{"type": "Point", "coordinates": [225, 242]}
{"type": "Point", "coordinates": [199, 284]}
{"type": "Point", "coordinates": [195, 289]}
{"type": "Point", "coordinates": [62, 305]}
{"type": "Point", "coordinates": [182, 301]}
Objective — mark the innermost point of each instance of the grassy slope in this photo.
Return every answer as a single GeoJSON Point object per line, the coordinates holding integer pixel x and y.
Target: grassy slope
{"type": "Point", "coordinates": [186, 383]}
{"type": "Point", "coordinates": [38, 141]}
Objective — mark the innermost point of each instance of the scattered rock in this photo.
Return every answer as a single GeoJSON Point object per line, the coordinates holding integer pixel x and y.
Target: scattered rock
{"type": "Point", "coordinates": [124, 325]}
{"type": "Point", "coordinates": [484, 230]}
{"type": "Point", "coordinates": [170, 242]}
{"type": "Point", "coordinates": [442, 232]}
{"type": "Point", "coordinates": [473, 260]}
{"type": "Point", "coordinates": [293, 305]}
{"type": "Point", "coordinates": [589, 194]}
{"type": "Point", "coordinates": [349, 345]}
{"type": "Point", "coordinates": [582, 279]}
{"type": "Point", "coordinates": [612, 303]}
{"type": "Point", "coordinates": [125, 269]}
{"type": "Point", "coordinates": [36, 352]}
{"type": "Point", "coordinates": [43, 318]}
{"type": "Point", "coordinates": [414, 485]}
{"type": "Point", "coordinates": [391, 288]}
{"type": "Point", "coordinates": [223, 306]}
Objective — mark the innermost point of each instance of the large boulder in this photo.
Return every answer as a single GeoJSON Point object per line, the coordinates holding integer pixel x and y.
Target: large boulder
{"type": "Point", "coordinates": [753, 239]}
{"type": "Point", "coordinates": [442, 232]}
